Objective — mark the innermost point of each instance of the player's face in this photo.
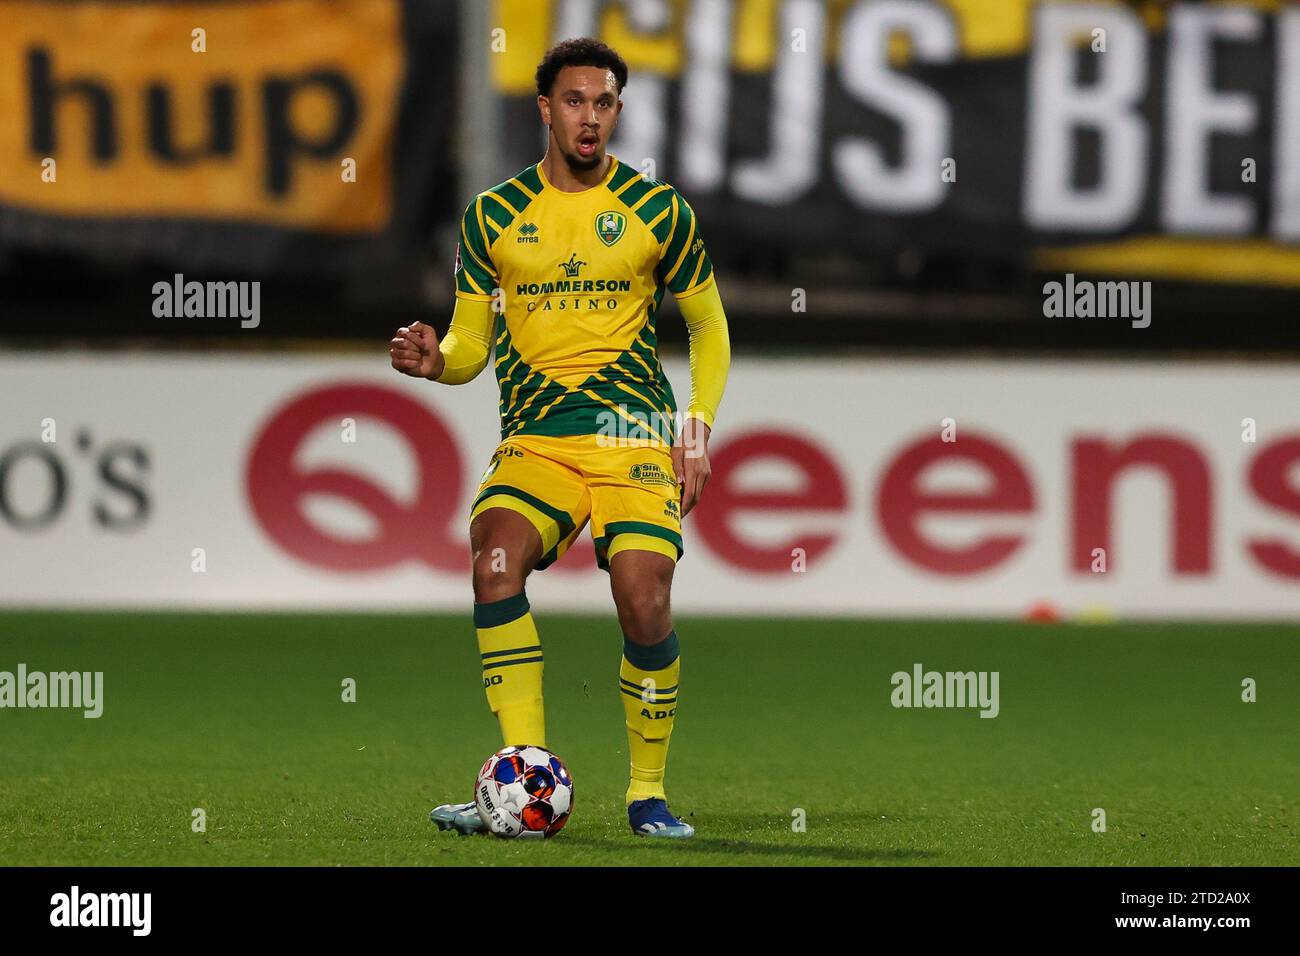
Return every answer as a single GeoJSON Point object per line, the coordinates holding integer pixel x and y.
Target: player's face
{"type": "Point", "coordinates": [582, 111]}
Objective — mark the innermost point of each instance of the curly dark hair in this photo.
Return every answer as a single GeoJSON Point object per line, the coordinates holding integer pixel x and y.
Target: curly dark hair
{"type": "Point", "coordinates": [580, 51]}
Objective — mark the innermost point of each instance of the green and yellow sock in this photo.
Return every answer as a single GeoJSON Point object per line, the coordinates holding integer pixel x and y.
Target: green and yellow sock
{"type": "Point", "coordinates": [648, 679]}
{"type": "Point", "coordinates": [512, 668]}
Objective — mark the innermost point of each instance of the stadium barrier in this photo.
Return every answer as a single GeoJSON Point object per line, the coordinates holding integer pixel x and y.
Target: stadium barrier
{"type": "Point", "coordinates": [925, 488]}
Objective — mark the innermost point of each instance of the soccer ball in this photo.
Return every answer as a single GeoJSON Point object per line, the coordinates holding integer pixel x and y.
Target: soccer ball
{"type": "Point", "coordinates": [524, 792]}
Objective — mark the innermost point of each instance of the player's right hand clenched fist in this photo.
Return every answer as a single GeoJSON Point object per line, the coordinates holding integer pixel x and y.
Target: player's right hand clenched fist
{"type": "Point", "coordinates": [414, 350]}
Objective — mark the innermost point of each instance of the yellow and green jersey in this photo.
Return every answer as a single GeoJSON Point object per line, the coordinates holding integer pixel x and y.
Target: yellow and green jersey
{"type": "Point", "coordinates": [577, 279]}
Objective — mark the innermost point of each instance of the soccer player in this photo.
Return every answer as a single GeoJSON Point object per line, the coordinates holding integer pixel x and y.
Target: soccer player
{"type": "Point", "coordinates": [574, 255]}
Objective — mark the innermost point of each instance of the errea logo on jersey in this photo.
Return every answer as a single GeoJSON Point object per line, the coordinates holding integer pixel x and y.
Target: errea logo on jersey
{"type": "Point", "coordinates": [528, 233]}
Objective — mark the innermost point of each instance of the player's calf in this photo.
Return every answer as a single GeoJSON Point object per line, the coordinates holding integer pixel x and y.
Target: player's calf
{"type": "Point", "coordinates": [641, 582]}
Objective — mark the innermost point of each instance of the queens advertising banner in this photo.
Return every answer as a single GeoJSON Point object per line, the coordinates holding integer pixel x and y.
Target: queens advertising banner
{"type": "Point", "coordinates": [917, 488]}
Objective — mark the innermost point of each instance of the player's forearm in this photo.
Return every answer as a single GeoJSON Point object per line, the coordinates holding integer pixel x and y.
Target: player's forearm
{"type": "Point", "coordinates": [710, 351]}
{"type": "Point", "coordinates": [462, 358]}
{"type": "Point", "coordinates": [467, 344]}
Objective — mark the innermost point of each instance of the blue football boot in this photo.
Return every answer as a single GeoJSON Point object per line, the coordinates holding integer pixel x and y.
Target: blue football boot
{"type": "Point", "coordinates": [650, 817]}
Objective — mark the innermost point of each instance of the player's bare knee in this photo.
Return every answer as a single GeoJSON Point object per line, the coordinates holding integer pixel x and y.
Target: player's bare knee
{"type": "Point", "coordinates": [500, 569]}
{"type": "Point", "coordinates": [505, 548]}
{"type": "Point", "coordinates": [644, 615]}
{"type": "Point", "coordinates": [498, 573]}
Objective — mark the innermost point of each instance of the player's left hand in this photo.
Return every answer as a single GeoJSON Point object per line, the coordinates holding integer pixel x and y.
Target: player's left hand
{"type": "Point", "coordinates": [691, 462]}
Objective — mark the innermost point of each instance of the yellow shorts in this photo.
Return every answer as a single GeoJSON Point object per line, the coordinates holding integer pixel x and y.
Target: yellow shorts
{"type": "Point", "coordinates": [628, 492]}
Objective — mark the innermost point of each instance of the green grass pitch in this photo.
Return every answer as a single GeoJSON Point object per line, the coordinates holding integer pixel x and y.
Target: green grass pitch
{"type": "Point", "coordinates": [241, 715]}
